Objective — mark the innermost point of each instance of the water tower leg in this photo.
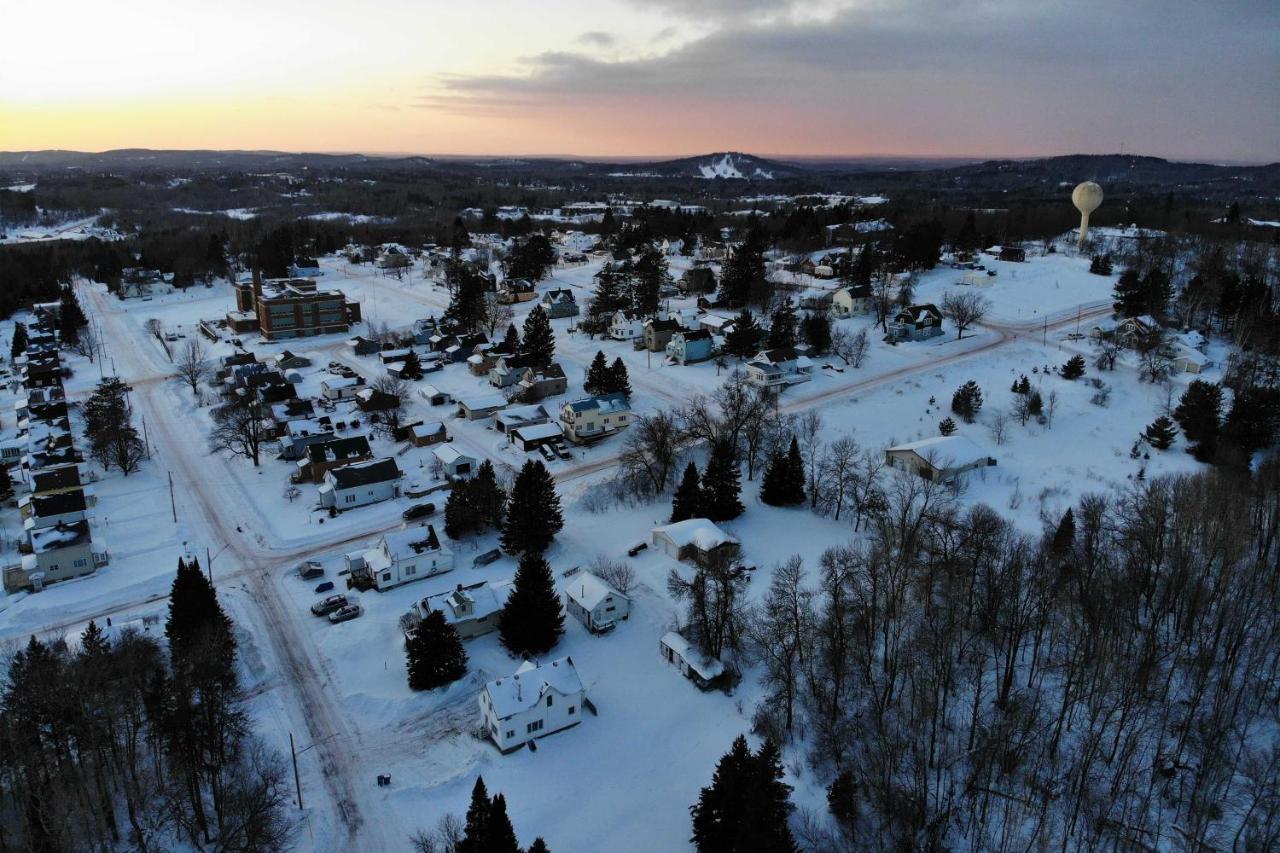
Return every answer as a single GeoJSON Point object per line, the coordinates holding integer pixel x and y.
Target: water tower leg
{"type": "Point", "coordinates": [1084, 231]}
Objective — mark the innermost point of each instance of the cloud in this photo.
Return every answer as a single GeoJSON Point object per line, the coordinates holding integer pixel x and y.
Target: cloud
{"type": "Point", "coordinates": [596, 38]}
{"type": "Point", "coordinates": [975, 75]}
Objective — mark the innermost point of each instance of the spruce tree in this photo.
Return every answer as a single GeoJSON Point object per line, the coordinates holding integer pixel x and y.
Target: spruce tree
{"type": "Point", "coordinates": [533, 514]}
{"type": "Point", "coordinates": [770, 806]}
{"type": "Point", "coordinates": [412, 368]}
{"type": "Point", "coordinates": [511, 340]}
{"type": "Point", "coordinates": [71, 318]}
{"type": "Point", "coordinates": [435, 654]}
{"type": "Point", "coordinates": [743, 339]}
{"type": "Point", "coordinates": [1065, 536]}
{"type": "Point", "coordinates": [946, 427]}
{"type": "Point", "coordinates": [19, 340]}
{"type": "Point", "coordinates": [459, 515]}
{"type": "Point", "coordinates": [477, 820]}
{"type": "Point", "coordinates": [782, 326]}
{"type": "Point", "coordinates": [1074, 368]}
{"type": "Point", "coordinates": [538, 349]}
{"type": "Point", "coordinates": [532, 620]}
{"type": "Point", "coordinates": [793, 483]}
{"type": "Point", "coordinates": [619, 382]}
{"type": "Point", "coordinates": [747, 805]}
{"type": "Point", "coordinates": [488, 500]}
{"type": "Point", "coordinates": [1160, 433]}
{"type": "Point", "coordinates": [539, 846]}
{"type": "Point", "coordinates": [1199, 413]}
{"type": "Point", "coordinates": [687, 501]}
{"type": "Point", "coordinates": [1129, 297]}
{"type": "Point", "coordinates": [598, 375]}
{"type": "Point", "coordinates": [500, 835]}
{"type": "Point", "coordinates": [967, 401]}
{"type": "Point", "coordinates": [197, 626]}
{"type": "Point", "coordinates": [773, 485]}
{"type": "Point", "coordinates": [816, 329]}
{"type": "Point", "coordinates": [721, 484]}
{"type": "Point", "coordinates": [93, 643]}
{"type": "Point", "coordinates": [842, 800]}
{"type": "Point", "coordinates": [6, 482]}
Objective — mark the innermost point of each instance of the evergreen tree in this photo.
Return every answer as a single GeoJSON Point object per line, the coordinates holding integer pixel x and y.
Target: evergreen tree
{"type": "Point", "coordinates": [511, 340]}
{"type": "Point", "coordinates": [1157, 290]}
{"type": "Point", "coordinates": [539, 846]}
{"type": "Point", "coordinates": [1129, 298]}
{"type": "Point", "coordinates": [743, 339]}
{"type": "Point", "coordinates": [721, 484]}
{"type": "Point", "coordinates": [773, 485]}
{"type": "Point", "coordinates": [1160, 433]}
{"type": "Point", "coordinates": [532, 620]}
{"type": "Point", "coordinates": [747, 805]}
{"type": "Point", "coordinates": [743, 279]}
{"type": "Point", "coordinates": [1035, 405]}
{"type": "Point", "coordinates": [435, 654]}
{"type": "Point", "coordinates": [782, 326]}
{"type": "Point", "coordinates": [1100, 265]}
{"type": "Point", "coordinates": [538, 349]}
{"type": "Point", "coordinates": [412, 368]}
{"type": "Point", "coordinates": [500, 835]}
{"type": "Point", "coordinates": [619, 382]}
{"type": "Point", "coordinates": [459, 516]}
{"type": "Point", "coordinates": [1074, 368]}
{"type": "Point", "coordinates": [687, 501]}
{"type": "Point", "coordinates": [19, 340]}
{"type": "Point", "coordinates": [6, 482]}
{"type": "Point", "coordinates": [477, 820]}
{"type": "Point", "coordinates": [468, 303]}
{"type": "Point", "coordinates": [609, 298]}
{"type": "Point", "coordinates": [1199, 413]}
{"type": "Point", "coordinates": [533, 515]}
{"type": "Point", "coordinates": [817, 332]}
{"type": "Point", "coordinates": [598, 375]}
{"type": "Point", "coordinates": [488, 499]}
{"type": "Point", "coordinates": [197, 628]}
{"type": "Point", "coordinates": [967, 401]}
{"type": "Point", "coordinates": [842, 800]}
{"type": "Point", "coordinates": [795, 479]}
{"type": "Point", "coordinates": [946, 427]}
{"type": "Point", "coordinates": [1253, 421]}
{"type": "Point", "coordinates": [93, 643]}
{"type": "Point", "coordinates": [71, 318]}
{"type": "Point", "coordinates": [1065, 536]}
{"type": "Point", "coordinates": [649, 276]}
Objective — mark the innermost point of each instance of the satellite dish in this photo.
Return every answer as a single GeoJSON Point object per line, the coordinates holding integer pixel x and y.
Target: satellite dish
{"type": "Point", "coordinates": [1086, 197]}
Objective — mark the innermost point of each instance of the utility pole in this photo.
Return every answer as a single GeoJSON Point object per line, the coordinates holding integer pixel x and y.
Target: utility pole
{"type": "Point", "coordinates": [297, 780]}
{"type": "Point", "coordinates": [146, 442]}
{"type": "Point", "coordinates": [173, 504]}
{"type": "Point", "coordinates": [1046, 330]}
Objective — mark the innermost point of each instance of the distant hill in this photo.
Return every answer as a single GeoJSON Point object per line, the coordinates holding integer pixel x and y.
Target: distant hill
{"type": "Point", "coordinates": [730, 165]}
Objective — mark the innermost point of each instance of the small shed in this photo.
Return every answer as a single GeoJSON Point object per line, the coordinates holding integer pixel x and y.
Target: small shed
{"type": "Point", "coordinates": [704, 671]}
{"type": "Point", "coordinates": [594, 603]}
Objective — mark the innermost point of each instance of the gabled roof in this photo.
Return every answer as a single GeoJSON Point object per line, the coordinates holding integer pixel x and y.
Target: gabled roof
{"type": "Point", "coordinates": [588, 590]}
{"type": "Point", "coordinates": [559, 296]}
{"type": "Point", "coordinates": [365, 473]}
{"type": "Point", "coordinates": [915, 313]}
{"type": "Point", "coordinates": [411, 542]}
{"type": "Point", "coordinates": [61, 477]}
{"type": "Point", "coordinates": [59, 504]}
{"type": "Point", "coordinates": [606, 403]}
{"type": "Point", "coordinates": [525, 689]}
{"type": "Point", "coordinates": [338, 449]}
{"type": "Point", "coordinates": [448, 454]}
{"type": "Point", "coordinates": [955, 448]}
{"type": "Point", "coordinates": [693, 334]}
{"type": "Point", "coordinates": [698, 532]}
{"type": "Point", "coordinates": [706, 667]}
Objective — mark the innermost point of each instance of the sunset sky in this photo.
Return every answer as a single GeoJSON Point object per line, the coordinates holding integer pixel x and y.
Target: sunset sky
{"type": "Point", "coordinates": [1186, 80]}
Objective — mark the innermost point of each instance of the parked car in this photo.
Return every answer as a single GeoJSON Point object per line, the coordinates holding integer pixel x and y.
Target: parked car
{"type": "Point", "coordinates": [324, 587]}
{"type": "Point", "coordinates": [631, 552]}
{"type": "Point", "coordinates": [328, 605]}
{"type": "Point", "coordinates": [418, 511]}
{"type": "Point", "coordinates": [487, 557]}
{"type": "Point", "coordinates": [345, 614]}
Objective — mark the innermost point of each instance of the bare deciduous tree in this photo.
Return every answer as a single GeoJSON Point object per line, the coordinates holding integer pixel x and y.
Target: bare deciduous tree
{"type": "Point", "coordinates": [238, 429]}
{"type": "Point", "coordinates": [964, 309]}
{"type": "Point", "coordinates": [193, 366]}
{"type": "Point", "coordinates": [652, 449]}
{"type": "Point", "coordinates": [616, 573]}
{"type": "Point", "coordinates": [850, 348]}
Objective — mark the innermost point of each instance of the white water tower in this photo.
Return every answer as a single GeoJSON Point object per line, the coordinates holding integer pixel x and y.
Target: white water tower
{"type": "Point", "coordinates": [1086, 197]}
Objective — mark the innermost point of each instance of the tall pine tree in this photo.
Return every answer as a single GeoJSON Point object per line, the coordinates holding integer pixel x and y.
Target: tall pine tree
{"type": "Point", "coordinates": [532, 620]}
{"type": "Point", "coordinates": [435, 654]}
{"type": "Point", "coordinates": [619, 382]}
{"type": "Point", "coordinates": [533, 513]}
{"type": "Point", "coordinates": [743, 339]}
{"type": "Point", "coordinates": [722, 484]}
{"type": "Point", "coordinates": [598, 375]}
{"type": "Point", "coordinates": [538, 349]}
{"type": "Point", "coordinates": [747, 805]}
{"type": "Point", "coordinates": [687, 501]}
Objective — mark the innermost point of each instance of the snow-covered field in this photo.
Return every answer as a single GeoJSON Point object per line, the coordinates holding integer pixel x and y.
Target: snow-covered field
{"type": "Point", "coordinates": [638, 765]}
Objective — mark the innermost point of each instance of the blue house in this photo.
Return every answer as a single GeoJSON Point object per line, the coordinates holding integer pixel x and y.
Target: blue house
{"type": "Point", "coordinates": [690, 346]}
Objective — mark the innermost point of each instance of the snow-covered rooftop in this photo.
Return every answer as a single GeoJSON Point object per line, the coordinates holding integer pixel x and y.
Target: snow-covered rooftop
{"type": "Point", "coordinates": [531, 682]}
{"type": "Point", "coordinates": [699, 532]}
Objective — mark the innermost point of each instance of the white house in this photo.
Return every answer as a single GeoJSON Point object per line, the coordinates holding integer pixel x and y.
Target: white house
{"type": "Point", "coordinates": [403, 556]}
{"type": "Point", "coordinates": [453, 462]}
{"type": "Point", "coordinates": [778, 367]}
{"type": "Point", "coordinates": [941, 457]}
{"type": "Point", "coordinates": [472, 610]}
{"type": "Point", "coordinates": [57, 553]}
{"type": "Point", "coordinates": [481, 406]}
{"type": "Point", "coordinates": [533, 703]}
{"type": "Point", "coordinates": [849, 301]}
{"type": "Point", "coordinates": [625, 326]}
{"type": "Point", "coordinates": [702, 670]}
{"type": "Point", "coordinates": [360, 484]}
{"type": "Point", "coordinates": [594, 418]}
{"type": "Point", "coordinates": [341, 387]}
{"type": "Point", "coordinates": [696, 539]}
{"type": "Point", "coordinates": [594, 603]}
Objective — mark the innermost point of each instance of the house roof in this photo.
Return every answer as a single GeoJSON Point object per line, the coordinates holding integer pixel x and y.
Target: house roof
{"type": "Point", "coordinates": [62, 477]}
{"type": "Point", "coordinates": [663, 325]}
{"type": "Point", "coordinates": [693, 335]}
{"type": "Point", "coordinates": [519, 415]}
{"type": "Point", "coordinates": [483, 401]}
{"type": "Point", "coordinates": [337, 449]}
{"type": "Point", "coordinates": [534, 432]}
{"type": "Point", "coordinates": [59, 504]}
{"type": "Point", "coordinates": [62, 535]}
{"type": "Point", "coordinates": [958, 448]}
{"type": "Point", "coordinates": [486, 599]}
{"type": "Point", "coordinates": [706, 667]}
{"type": "Point", "coordinates": [341, 382]}
{"type": "Point", "coordinates": [552, 297]}
{"type": "Point", "coordinates": [448, 454]}
{"type": "Point", "coordinates": [551, 371]}
{"type": "Point", "coordinates": [410, 542]}
{"type": "Point", "coordinates": [365, 473]}
{"type": "Point", "coordinates": [605, 403]}
{"type": "Point", "coordinates": [588, 590]}
{"type": "Point", "coordinates": [428, 429]}
{"type": "Point", "coordinates": [917, 312]}
{"type": "Point", "coordinates": [531, 682]}
{"type": "Point", "coordinates": [698, 532]}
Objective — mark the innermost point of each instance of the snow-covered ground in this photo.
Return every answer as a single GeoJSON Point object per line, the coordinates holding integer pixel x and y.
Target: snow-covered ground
{"type": "Point", "coordinates": [638, 765]}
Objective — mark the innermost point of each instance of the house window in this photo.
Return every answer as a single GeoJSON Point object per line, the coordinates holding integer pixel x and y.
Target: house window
{"type": "Point", "coordinates": [350, 499]}
{"type": "Point", "coordinates": [411, 570]}
{"type": "Point", "coordinates": [80, 564]}
{"type": "Point", "coordinates": [386, 576]}
{"type": "Point", "coordinates": [535, 726]}
{"type": "Point", "coordinates": [511, 734]}
{"type": "Point", "coordinates": [571, 710]}
{"type": "Point", "coordinates": [548, 701]}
